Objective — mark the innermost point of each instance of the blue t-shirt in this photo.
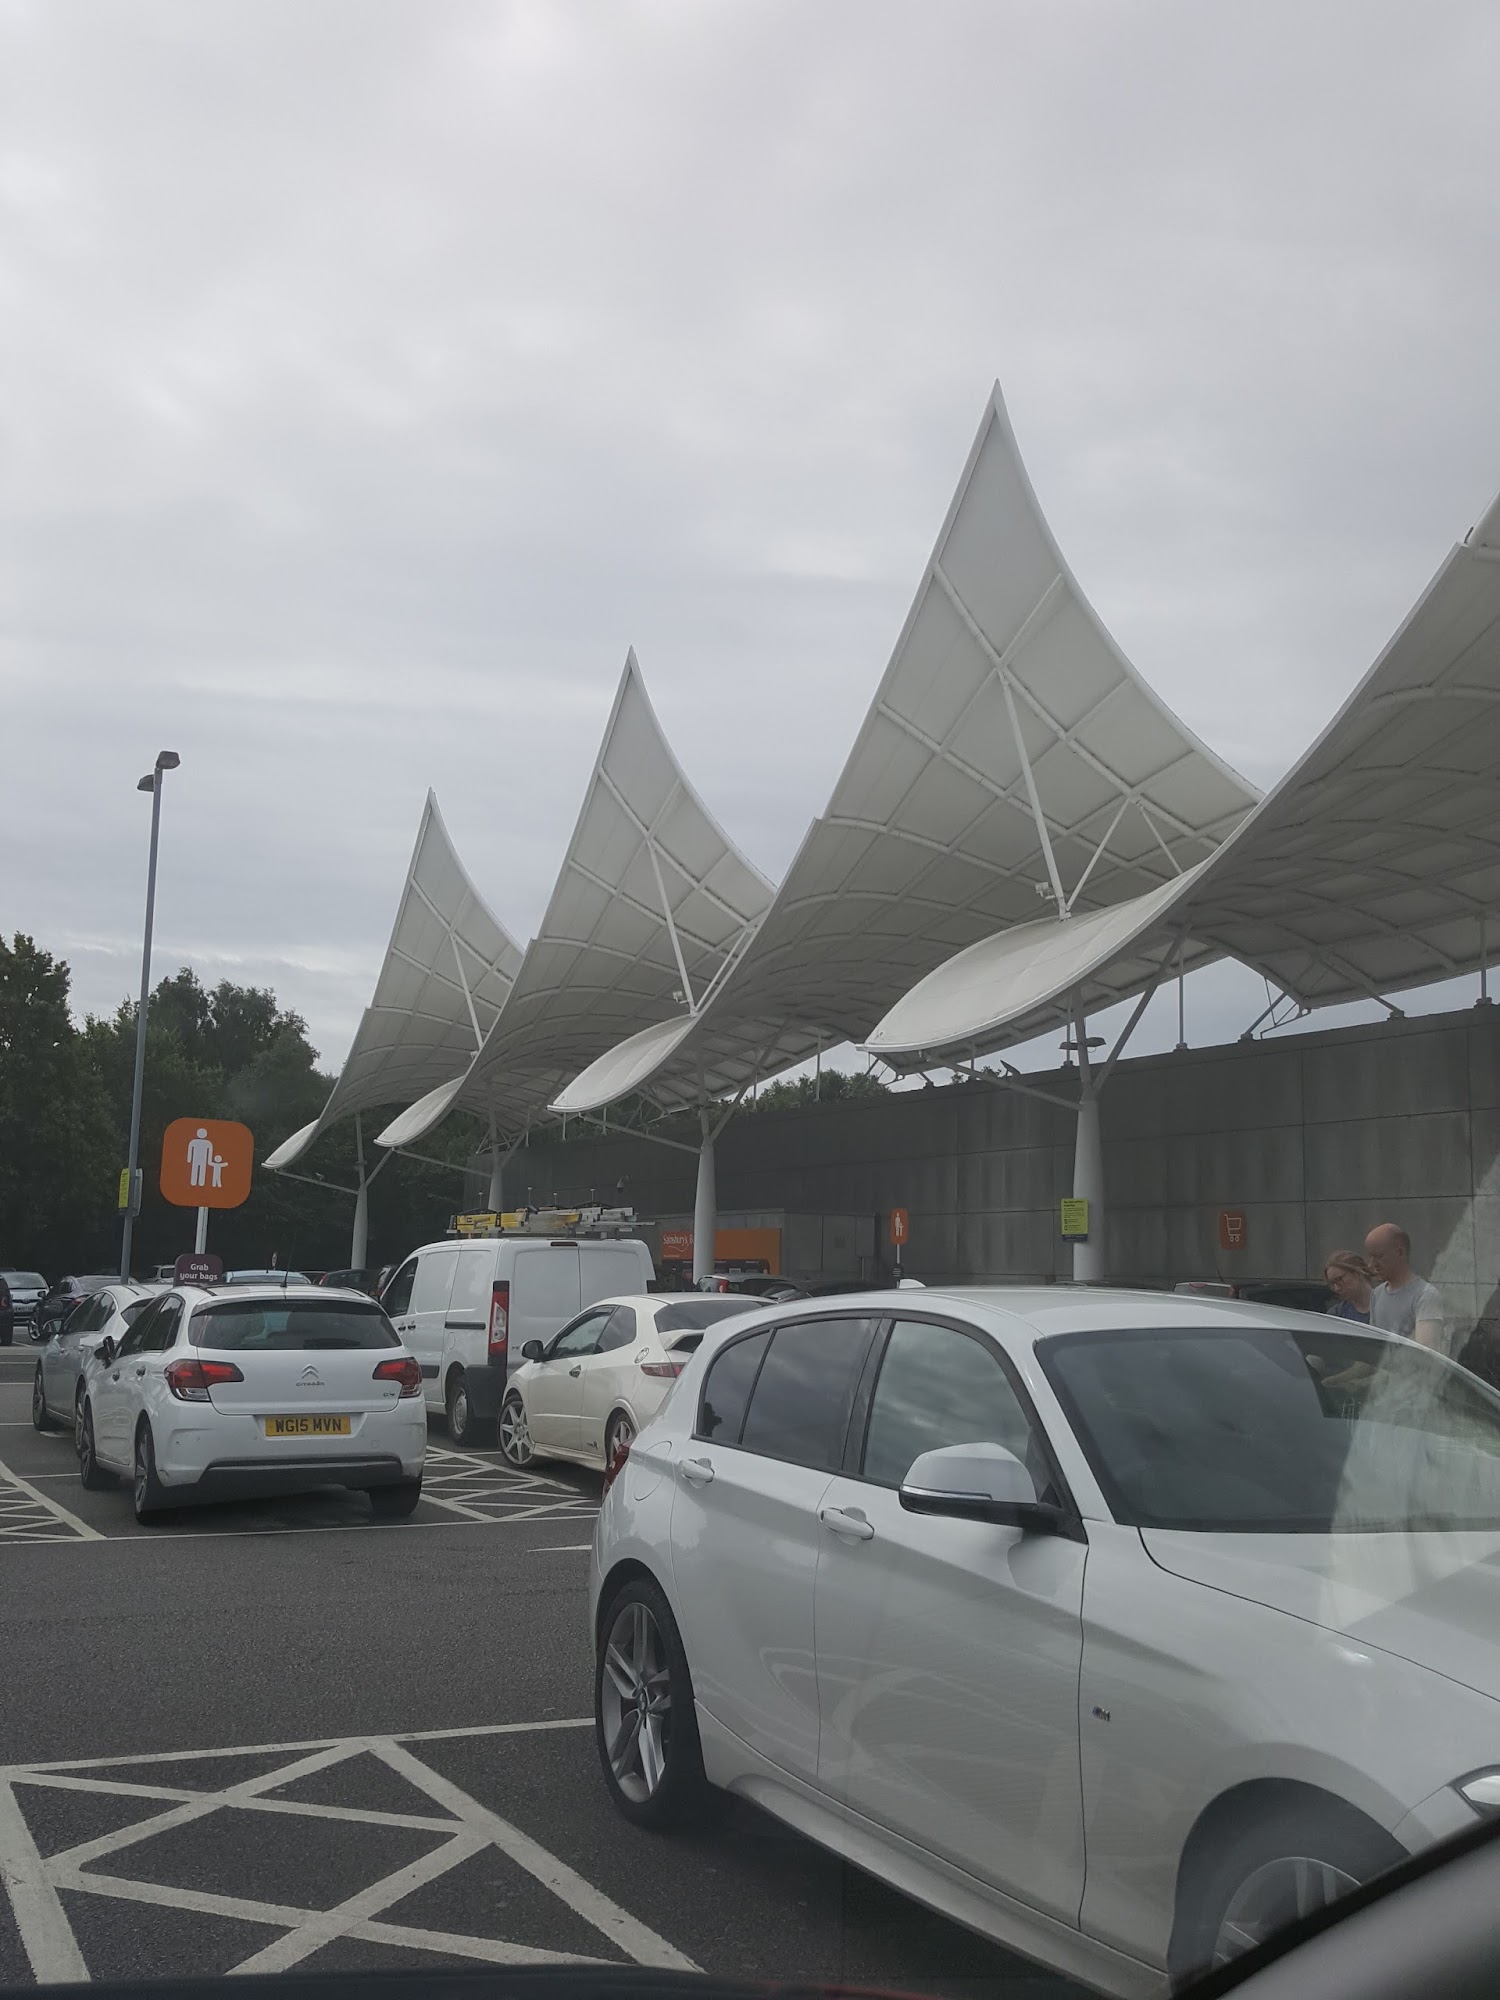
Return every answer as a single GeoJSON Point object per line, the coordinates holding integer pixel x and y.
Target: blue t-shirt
{"type": "Point", "coordinates": [1342, 1309]}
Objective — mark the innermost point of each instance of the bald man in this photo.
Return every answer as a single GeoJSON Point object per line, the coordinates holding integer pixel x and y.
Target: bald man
{"type": "Point", "coordinates": [1402, 1302]}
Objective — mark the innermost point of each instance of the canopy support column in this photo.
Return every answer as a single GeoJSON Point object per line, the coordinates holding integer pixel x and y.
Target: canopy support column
{"type": "Point", "coordinates": [497, 1164]}
{"type": "Point", "coordinates": [359, 1241]}
{"type": "Point", "coordinates": [705, 1204]}
{"type": "Point", "coordinates": [1088, 1164]}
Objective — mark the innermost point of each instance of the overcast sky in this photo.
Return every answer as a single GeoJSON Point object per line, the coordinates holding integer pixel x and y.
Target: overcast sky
{"type": "Point", "coordinates": [372, 375]}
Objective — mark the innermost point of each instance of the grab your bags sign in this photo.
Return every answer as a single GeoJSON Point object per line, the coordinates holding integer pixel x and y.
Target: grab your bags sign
{"type": "Point", "coordinates": [206, 1162]}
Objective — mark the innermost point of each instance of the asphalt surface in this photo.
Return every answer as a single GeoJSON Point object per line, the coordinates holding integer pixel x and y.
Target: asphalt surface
{"type": "Point", "coordinates": [291, 1737]}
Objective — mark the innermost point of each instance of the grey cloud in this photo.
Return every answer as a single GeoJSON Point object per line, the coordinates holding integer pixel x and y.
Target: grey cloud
{"type": "Point", "coordinates": [375, 374]}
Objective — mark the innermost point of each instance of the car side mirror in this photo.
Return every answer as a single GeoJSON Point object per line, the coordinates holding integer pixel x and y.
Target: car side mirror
{"type": "Point", "coordinates": [107, 1355]}
{"type": "Point", "coordinates": [978, 1482]}
{"type": "Point", "coordinates": [531, 1350]}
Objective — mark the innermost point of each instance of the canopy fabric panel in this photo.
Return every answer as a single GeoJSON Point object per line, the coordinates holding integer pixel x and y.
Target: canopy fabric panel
{"type": "Point", "coordinates": [447, 973]}
{"type": "Point", "coordinates": [651, 907]}
{"type": "Point", "coordinates": [1011, 759]}
{"type": "Point", "coordinates": [1373, 867]}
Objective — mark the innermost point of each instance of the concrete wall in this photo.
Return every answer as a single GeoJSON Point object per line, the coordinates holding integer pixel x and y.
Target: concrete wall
{"type": "Point", "coordinates": [1315, 1137]}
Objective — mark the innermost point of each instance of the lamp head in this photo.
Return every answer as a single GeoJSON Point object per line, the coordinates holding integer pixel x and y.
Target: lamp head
{"type": "Point", "coordinates": [167, 760]}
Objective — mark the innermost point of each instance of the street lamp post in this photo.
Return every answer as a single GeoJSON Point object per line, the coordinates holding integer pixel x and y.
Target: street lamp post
{"type": "Point", "coordinates": [166, 760]}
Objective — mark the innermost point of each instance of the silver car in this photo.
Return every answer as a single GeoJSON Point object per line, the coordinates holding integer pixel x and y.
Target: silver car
{"type": "Point", "coordinates": [27, 1290]}
{"type": "Point", "coordinates": [113, 1309]}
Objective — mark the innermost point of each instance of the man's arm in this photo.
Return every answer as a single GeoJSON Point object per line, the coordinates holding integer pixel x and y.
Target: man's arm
{"type": "Point", "coordinates": [1431, 1327]}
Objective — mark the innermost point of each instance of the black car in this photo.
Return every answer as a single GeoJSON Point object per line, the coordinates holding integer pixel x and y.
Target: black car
{"type": "Point", "coordinates": [60, 1301]}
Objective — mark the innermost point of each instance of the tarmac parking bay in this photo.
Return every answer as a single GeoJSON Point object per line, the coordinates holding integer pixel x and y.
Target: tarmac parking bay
{"type": "Point", "coordinates": [261, 1737]}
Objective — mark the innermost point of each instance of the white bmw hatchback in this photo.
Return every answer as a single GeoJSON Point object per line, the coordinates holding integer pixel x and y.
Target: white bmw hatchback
{"type": "Point", "coordinates": [1120, 1627]}
{"type": "Point", "coordinates": [221, 1394]}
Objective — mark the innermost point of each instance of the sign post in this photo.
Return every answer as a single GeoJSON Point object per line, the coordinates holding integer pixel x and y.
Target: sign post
{"type": "Point", "coordinates": [899, 1229]}
{"type": "Point", "coordinates": [206, 1163]}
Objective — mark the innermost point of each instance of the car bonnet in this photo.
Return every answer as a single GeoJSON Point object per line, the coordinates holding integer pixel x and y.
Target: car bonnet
{"type": "Point", "coordinates": [1430, 1597]}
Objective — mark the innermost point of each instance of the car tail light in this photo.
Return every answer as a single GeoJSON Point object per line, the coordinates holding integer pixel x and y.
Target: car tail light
{"type": "Point", "coordinates": [723, 1284]}
{"type": "Point", "coordinates": [668, 1368]}
{"type": "Point", "coordinates": [406, 1371]}
{"type": "Point", "coordinates": [616, 1465]}
{"type": "Point", "coordinates": [499, 1319]}
{"type": "Point", "coordinates": [191, 1379]}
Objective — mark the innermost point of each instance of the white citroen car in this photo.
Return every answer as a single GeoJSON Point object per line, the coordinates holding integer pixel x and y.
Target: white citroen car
{"type": "Point", "coordinates": [1120, 1627]}
{"type": "Point", "coordinates": [220, 1394]}
{"type": "Point", "coordinates": [587, 1391]}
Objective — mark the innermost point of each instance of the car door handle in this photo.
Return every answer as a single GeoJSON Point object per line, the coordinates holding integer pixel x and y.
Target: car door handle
{"type": "Point", "coordinates": [140, 1371]}
{"type": "Point", "coordinates": [697, 1470]}
{"type": "Point", "coordinates": [853, 1527]}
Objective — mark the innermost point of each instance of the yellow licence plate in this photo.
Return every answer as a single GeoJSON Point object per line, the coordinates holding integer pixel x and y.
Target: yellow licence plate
{"type": "Point", "coordinates": [307, 1427]}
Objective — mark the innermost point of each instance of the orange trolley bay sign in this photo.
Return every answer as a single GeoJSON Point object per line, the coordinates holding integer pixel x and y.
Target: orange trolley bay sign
{"type": "Point", "coordinates": [206, 1162]}
{"type": "Point", "coordinates": [1231, 1229]}
{"type": "Point", "coordinates": [900, 1226]}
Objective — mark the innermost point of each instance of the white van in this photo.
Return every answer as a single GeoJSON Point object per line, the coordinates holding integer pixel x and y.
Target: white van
{"type": "Point", "coordinates": [461, 1307]}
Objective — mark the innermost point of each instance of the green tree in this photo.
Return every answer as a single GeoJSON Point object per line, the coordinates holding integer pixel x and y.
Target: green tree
{"type": "Point", "coordinates": [60, 1148]}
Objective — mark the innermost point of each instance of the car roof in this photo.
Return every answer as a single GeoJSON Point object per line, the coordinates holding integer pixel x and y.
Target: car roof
{"type": "Point", "coordinates": [257, 1294]}
{"type": "Point", "coordinates": [1054, 1309]}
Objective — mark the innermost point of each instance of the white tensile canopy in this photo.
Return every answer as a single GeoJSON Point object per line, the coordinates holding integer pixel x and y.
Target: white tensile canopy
{"type": "Point", "coordinates": [1011, 759]}
{"type": "Point", "coordinates": [1369, 869]}
{"type": "Point", "coordinates": [446, 975]}
{"type": "Point", "coordinates": [652, 907]}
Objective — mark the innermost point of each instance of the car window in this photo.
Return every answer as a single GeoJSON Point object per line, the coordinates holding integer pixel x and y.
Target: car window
{"type": "Point", "coordinates": [434, 1284]}
{"type": "Point", "coordinates": [938, 1386]}
{"type": "Point", "coordinates": [470, 1297]}
{"type": "Point", "coordinates": [799, 1408]}
{"type": "Point", "coordinates": [396, 1298]}
{"type": "Point", "coordinates": [140, 1332]}
{"type": "Point", "coordinates": [727, 1386]}
{"type": "Point", "coordinates": [693, 1315]}
{"type": "Point", "coordinates": [1264, 1430]}
{"type": "Point", "coordinates": [91, 1315]}
{"type": "Point", "coordinates": [131, 1313]}
{"type": "Point", "coordinates": [619, 1330]}
{"type": "Point", "coordinates": [163, 1328]}
{"type": "Point", "coordinates": [582, 1337]}
{"type": "Point", "coordinates": [277, 1325]}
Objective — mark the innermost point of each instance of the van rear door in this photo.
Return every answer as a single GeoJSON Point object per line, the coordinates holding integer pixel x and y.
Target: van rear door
{"type": "Point", "coordinates": [614, 1270]}
{"type": "Point", "coordinates": [544, 1291]}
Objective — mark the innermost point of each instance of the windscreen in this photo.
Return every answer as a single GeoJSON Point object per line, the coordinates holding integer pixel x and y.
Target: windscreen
{"type": "Point", "coordinates": [275, 1325]}
{"type": "Point", "coordinates": [693, 1315]}
{"type": "Point", "coordinates": [24, 1281]}
{"type": "Point", "coordinates": [1263, 1430]}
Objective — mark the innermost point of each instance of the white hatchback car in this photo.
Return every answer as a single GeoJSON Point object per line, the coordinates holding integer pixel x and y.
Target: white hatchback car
{"type": "Point", "coordinates": [589, 1389]}
{"type": "Point", "coordinates": [217, 1394]}
{"type": "Point", "coordinates": [1121, 1627]}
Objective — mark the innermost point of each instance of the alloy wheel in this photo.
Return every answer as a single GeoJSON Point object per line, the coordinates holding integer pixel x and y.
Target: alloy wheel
{"type": "Point", "coordinates": [621, 1431]}
{"type": "Point", "coordinates": [1275, 1895]}
{"type": "Point", "coordinates": [636, 1702]}
{"type": "Point", "coordinates": [515, 1432]}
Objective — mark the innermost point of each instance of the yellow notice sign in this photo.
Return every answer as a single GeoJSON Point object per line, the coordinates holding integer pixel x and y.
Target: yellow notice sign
{"type": "Point", "coordinates": [124, 1189]}
{"type": "Point", "coordinates": [1075, 1217]}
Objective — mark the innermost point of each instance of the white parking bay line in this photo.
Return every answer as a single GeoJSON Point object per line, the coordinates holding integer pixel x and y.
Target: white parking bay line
{"type": "Point", "coordinates": [562, 1548]}
{"type": "Point", "coordinates": [18, 1485]}
{"type": "Point", "coordinates": [33, 1881]}
{"type": "Point", "coordinates": [45, 1931]}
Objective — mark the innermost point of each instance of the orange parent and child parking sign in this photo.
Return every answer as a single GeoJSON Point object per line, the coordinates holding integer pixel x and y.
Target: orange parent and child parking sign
{"type": "Point", "coordinates": [206, 1162]}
